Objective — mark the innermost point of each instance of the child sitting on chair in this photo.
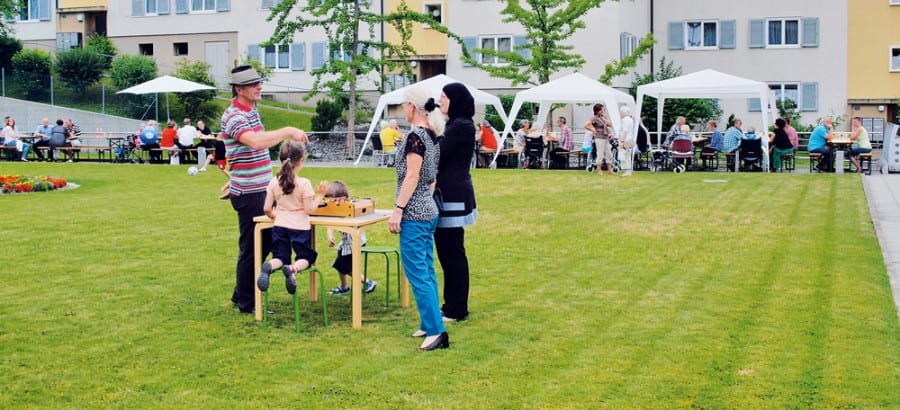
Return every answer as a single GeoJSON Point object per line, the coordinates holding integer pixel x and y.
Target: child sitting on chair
{"type": "Point", "coordinates": [293, 199]}
{"type": "Point", "coordinates": [338, 191]}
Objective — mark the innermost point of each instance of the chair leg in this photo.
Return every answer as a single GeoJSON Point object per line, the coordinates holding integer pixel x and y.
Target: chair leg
{"type": "Point", "coordinates": [321, 286]}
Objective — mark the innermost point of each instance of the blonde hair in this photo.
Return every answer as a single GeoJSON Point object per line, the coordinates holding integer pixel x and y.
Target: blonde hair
{"type": "Point", "coordinates": [421, 98]}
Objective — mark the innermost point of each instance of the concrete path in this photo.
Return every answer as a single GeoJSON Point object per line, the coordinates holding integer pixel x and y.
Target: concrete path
{"type": "Point", "coordinates": [883, 193]}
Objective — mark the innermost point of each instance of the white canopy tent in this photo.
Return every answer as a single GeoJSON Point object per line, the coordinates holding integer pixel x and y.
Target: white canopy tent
{"type": "Point", "coordinates": [436, 85]}
{"type": "Point", "coordinates": [573, 88]}
{"type": "Point", "coordinates": [711, 84]}
{"type": "Point", "coordinates": [166, 84]}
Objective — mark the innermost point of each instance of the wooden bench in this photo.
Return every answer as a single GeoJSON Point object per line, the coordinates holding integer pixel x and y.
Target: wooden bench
{"type": "Point", "coordinates": [815, 158]}
{"type": "Point", "coordinates": [865, 162]}
{"type": "Point", "coordinates": [10, 153]}
{"type": "Point", "coordinates": [787, 162]}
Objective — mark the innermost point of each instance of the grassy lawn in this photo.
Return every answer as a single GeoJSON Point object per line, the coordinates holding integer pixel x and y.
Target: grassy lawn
{"type": "Point", "coordinates": [655, 291]}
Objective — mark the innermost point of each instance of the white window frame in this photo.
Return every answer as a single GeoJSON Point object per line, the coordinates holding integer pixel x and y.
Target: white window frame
{"type": "Point", "coordinates": [891, 66]}
{"type": "Point", "coordinates": [440, 7]}
{"type": "Point", "coordinates": [496, 39]}
{"type": "Point", "coordinates": [262, 5]}
{"type": "Point", "coordinates": [894, 2]}
{"type": "Point", "coordinates": [32, 10]}
{"type": "Point", "coordinates": [783, 21]}
{"type": "Point", "coordinates": [703, 23]}
{"type": "Point", "coordinates": [627, 46]}
{"type": "Point", "coordinates": [779, 92]}
{"type": "Point", "coordinates": [203, 9]}
{"type": "Point", "coordinates": [275, 67]}
{"type": "Point", "coordinates": [147, 11]}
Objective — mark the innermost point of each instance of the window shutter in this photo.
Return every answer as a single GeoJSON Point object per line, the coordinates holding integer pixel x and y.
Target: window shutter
{"type": "Point", "coordinates": [223, 5]}
{"type": "Point", "coordinates": [253, 52]}
{"type": "Point", "coordinates": [137, 7]}
{"type": "Point", "coordinates": [676, 35]}
{"type": "Point", "coordinates": [298, 57]}
{"type": "Point", "coordinates": [163, 6]}
{"type": "Point", "coordinates": [318, 55]}
{"type": "Point", "coordinates": [525, 52]}
{"type": "Point", "coordinates": [181, 6]}
{"type": "Point", "coordinates": [727, 34]}
{"type": "Point", "coordinates": [44, 10]}
{"type": "Point", "coordinates": [623, 45]}
{"type": "Point", "coordinates": [757, 34]}
{"type": "Point", "coordinates": [809, 97]}
{"type": "Point", "coordinates": [267, 4]}
{"type": "Point", "coordinates": [471, 43]}
{"type": "Point", "coordinates": [753, 104]}
{"type": "Point", "coordinates": [810, 29]}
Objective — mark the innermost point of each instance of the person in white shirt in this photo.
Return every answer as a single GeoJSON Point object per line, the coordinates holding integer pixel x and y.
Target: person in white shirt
{"type": "Point", "coordinates": [627, 141]}
{"type": "Point", "coordinates": [185, 141]}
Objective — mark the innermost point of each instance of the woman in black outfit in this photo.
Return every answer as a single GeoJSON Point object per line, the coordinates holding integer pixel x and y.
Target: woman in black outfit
{"type": "Point", "coordinates": [453, 179]}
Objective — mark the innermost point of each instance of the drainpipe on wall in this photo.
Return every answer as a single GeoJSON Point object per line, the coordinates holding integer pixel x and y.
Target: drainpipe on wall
{"type": "Point", "coordinates": [652, 60]}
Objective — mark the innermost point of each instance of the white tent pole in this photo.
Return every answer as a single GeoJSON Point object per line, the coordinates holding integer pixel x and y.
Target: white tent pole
{"type": "Point", "coordinates": [379, 111]}
{"type": "Point", "coordinates": [659, 124]}
{"type": "Point", "coordinates": [507, 128]}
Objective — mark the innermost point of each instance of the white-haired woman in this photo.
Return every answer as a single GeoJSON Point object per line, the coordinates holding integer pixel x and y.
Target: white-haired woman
{"type": "Point", "coordinates": [415, 214]}
{"type": "Point", "coordinates": [627, 141]}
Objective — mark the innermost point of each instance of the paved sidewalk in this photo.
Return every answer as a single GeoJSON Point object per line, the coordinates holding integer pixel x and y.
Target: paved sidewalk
{"type": "Point", "coordinates": [883, 193]}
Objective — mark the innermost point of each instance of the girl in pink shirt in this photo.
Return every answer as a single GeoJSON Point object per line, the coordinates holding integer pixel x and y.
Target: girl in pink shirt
{"type": "Point", "coordinates": [289, 200]}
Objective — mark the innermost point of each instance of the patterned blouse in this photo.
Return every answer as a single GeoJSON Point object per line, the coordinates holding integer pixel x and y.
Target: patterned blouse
{"type": "Point", "coordinates": [419, 141]}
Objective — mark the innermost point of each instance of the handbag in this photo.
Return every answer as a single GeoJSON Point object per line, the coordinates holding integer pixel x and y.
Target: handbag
{"type": "Point", "coordinates": [438, 197]}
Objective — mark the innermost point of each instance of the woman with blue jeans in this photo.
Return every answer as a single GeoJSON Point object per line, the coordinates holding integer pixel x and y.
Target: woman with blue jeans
{"type": "Point", "coordinates": [11, 138]}
{"type": "Point", "coordinates": [860, 138]}
{"type": "Point", "coordinates": [415, 214]}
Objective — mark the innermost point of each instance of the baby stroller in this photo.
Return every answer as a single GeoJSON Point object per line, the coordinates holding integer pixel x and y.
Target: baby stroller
{"type": "Point", "coordinates": [534, 153]}
{"type": "Point", "coordinates": [592, 156]}
{"type": "Point", "coordinates": [127, 152]}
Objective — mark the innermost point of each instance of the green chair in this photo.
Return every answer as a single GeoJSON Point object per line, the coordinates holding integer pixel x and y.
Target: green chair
{"type": "Point", "coordinates": [386, 251]}
{"type": "Point", "coordinates": [321, 286]}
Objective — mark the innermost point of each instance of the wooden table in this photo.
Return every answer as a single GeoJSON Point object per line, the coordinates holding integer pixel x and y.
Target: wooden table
{"type": "Point", "coordinates": [353, 226]}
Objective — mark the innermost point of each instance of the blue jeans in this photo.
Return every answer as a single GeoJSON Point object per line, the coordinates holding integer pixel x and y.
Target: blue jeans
{"type": "Point", "coordinates": [25, 147]}
{"type": "Point", "coordinates": [417, 253]}
{"type": "Point", "coordinates": [827, 158]}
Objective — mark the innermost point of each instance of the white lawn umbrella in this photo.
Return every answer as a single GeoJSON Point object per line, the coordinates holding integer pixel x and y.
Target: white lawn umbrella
{"type": "Point", "coordinates": [166, 84]}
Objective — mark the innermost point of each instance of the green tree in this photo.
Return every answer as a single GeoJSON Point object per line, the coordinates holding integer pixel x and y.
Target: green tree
{"type": "Point", "coordinates": [32, 71]}
{"type": "Point", "coordinates": [526, 112]}
{"type": "Point", "coordinates": [327, 114]}
{"type": "Point", "coordinates": [197, 104]}
{"type": "Point", "coordinates": [548, 24]}
{"type": "Point", "coordinates": [101, 45]}
{"type": "Point", "coordinates": [8, 9]}
{"type": "Point", "coordinates": [127, 71]}
{"type": "Point", "coordinates": [79, 68]}
{"type": "Point", "coordinates": [616, 68]}
{"type": "Point", "coordinates": [355, 48]}
{"type": "Point", "coordinates": [9, 46]}
{"type": "Point", "coordinates": [694, 110]}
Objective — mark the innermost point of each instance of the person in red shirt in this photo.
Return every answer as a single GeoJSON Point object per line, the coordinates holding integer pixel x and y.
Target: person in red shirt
{"type": "Point", "coordinates": [488, 140]}
{"type": "Point", "coordinates": [168, 135]}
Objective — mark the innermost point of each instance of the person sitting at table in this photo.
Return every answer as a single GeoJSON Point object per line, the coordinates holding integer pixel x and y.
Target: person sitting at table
{"type": "Point", "coordinates": [42, 137]}
{"type": "Point", "coordinates": [168, 138]}
{"type": "Point", "coordinates": [487, 142]}
{"type": "Point", "coordinates": [11, 138]}
{"type": "Point", "coordinates": [57, 138]}
{"type": "Point", "coordinates": [791, 133]}
{"type": "Point", "coordinates": [733, 136]}
{"type": "Point", "coordinates": [185, 141]}
{"type": "Point", "coordinates": [389, 136]}
{"type": "Point", "coordinates": [818, 143]}
{"type": "Point", "coordinates": [751, 133]}
{"type": "Point", "coordinates": [520, 135]}
{"type": "Point", "coordinates": [860, 138]}
{"type": "Point", "coordinates": [149, 137]}
{"type": "Point", "coordinates": [716, 140]}
{"type": "Point", "coordinates": [674, 131]}
{"type": "Point", "coordinates": [779, 144]}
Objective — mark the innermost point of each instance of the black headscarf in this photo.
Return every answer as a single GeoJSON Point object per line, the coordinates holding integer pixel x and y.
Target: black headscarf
{"type": "Point", "coordinates": [461, 102]}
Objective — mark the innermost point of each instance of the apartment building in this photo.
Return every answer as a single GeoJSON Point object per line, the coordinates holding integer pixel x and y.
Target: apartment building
{"type": "Point", "coordinates": [798, 47]}
{"type": "Point", "coordinates": [612, 32]}
{"type": "Point", "coordinates": [431, 46]}
{"type": "Point", "coordinates": [873, 62]}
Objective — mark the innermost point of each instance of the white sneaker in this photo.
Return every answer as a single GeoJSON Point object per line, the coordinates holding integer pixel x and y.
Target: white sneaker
{"type": "Point", "coordinates": [70, 161]}
{"type": "Point", "coordinates": [202, 169]}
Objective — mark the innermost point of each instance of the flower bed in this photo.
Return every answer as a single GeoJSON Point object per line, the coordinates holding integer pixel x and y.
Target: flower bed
{"type": "Point", "coordinates": [25, 183]}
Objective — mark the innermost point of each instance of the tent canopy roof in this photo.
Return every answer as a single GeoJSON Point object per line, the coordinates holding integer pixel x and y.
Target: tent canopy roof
{"type": "Point", "coordinates": [166, 84]}
{"type": "Point", "coordinates": [575, 87]}
{"type": "Point", "coordinates": [436, 85]}
{"type": "Point", "coordinates": [704, 84]}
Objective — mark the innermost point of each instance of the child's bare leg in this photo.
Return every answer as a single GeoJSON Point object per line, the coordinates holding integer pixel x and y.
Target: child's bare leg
{"type": "Point", "coordinates": [343, 277]}
{"type": "Point", "coordinates": [300, 264]}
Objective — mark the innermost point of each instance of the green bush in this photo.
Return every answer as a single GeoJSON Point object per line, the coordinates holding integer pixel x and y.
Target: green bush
{"type": "Point", "coordinates": [127, 71]}
{"type": "Point", "coordinates": [32, 69]}
{"type": "Point", "coordinates": [196, 104]}
{"type": "Point", "coordinates": [9, 46]}
{"type": "Point", "coordinates": [525, 113]}
{"type": "Point", "coordinates": [102, 45]}
{"type": "Point", "coordinates": [327, 114]}
{"type": "Point", "coordinates": [79, 68]}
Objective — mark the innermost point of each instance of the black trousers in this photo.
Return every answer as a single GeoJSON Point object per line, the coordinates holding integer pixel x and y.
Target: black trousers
{"type": "Point", "coordinates": [451, 250]}
{"type": "Point", "coordinates": [248, 206]}
{"type": "Point", "coordinates": [40, 153]}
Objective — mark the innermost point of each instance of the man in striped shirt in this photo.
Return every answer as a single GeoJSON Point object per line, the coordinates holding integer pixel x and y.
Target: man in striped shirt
{"type": "Point", "coordinates": [247, 144]}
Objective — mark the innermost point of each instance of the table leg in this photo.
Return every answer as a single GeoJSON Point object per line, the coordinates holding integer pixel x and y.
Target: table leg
{"type": "Point", "coordinates": [257, 265]}
{"type": "Point", "coordinates": [356, 288]}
